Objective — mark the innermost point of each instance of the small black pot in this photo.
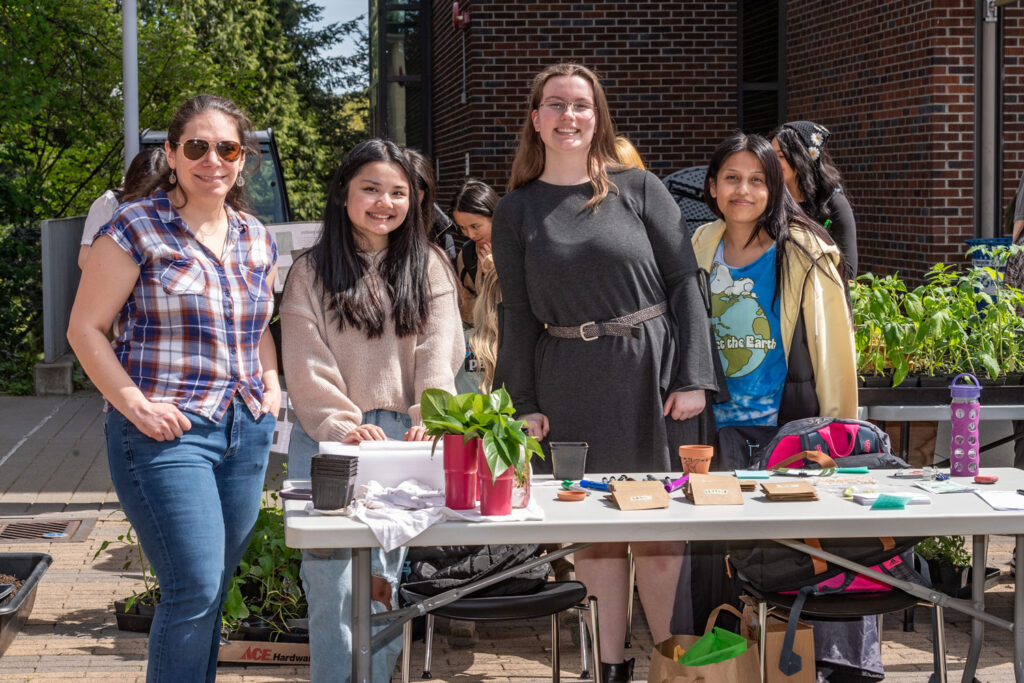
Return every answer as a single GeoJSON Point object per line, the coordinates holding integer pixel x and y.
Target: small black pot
{"type": "Point", "coordinates": [935, 380]}
{"type": "Point", "coordinates": [256, 628]}
{"type": "Point", "coordinates": [956, 581]}
{"type": "Point", "coordinates": [987, 381]}
{"type": "Point", "coordinates": [878, 381]}
{"type": "Point", "coordinates": [136, 620]}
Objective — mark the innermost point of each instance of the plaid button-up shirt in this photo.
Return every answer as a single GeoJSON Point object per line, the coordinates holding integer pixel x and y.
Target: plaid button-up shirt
{"type": "Point", "coordinates": [189, 333]}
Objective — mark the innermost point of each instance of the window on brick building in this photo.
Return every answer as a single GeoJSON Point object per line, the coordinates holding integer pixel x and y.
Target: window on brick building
{"type": "Point", "coordinates": [400, 72]}
{"type": "Point", "coordinates": [761, 61]}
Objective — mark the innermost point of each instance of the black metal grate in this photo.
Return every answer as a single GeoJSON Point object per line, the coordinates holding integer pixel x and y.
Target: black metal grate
{"type": "Point", "coordinates": [57, 530]}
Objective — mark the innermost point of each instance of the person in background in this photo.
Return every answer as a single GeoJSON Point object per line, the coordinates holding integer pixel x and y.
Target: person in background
{"type": "Point", "coordinates": [473, 210]}
{"type": "Point", "coordinates": [369, 319]}
{"type": "Point", "coordinates": [627, 154]}
{"type": "Point", "coordinates": [142, 177]}
{"type": "Point", "coordinates": [191, 409]}
{"type": "Point", "coordinates": [439, 227]}
{"type": "Point", "coordinates": [815, 183]}
{"type": "Point", "coordinates": [582, 238]}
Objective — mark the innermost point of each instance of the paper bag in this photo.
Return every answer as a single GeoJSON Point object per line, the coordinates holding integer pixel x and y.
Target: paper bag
{"type": "Point", "coordinates": [803, 645]}
{"type": "Point", "coordinates": [742, 669]}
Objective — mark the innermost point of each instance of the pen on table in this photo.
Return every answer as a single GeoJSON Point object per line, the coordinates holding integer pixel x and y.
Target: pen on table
{"type": "Point", "coordinates": [1020, 491]}
{"type": "Point", "coordinates": [596, 485]}
{"type": "Point", "coordinates": [677, 483]}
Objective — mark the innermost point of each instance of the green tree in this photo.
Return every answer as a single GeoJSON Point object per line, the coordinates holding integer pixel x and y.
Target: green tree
{"type": "Point", "coordinates": [61, 115]}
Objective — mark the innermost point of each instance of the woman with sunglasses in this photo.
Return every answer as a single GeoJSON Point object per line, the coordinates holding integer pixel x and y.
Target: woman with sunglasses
{"type": "Point", "coordinates": [185, 276]}
{"type": "Point", "coordinates": [582, 239]}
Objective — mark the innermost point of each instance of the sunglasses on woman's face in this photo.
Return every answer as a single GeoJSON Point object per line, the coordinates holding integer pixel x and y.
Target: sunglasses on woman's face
{"type": "Point", "coordinates": [195, 149]}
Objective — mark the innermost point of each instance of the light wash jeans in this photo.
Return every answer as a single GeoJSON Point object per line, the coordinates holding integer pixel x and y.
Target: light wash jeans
{"type": "Point", "coordinates": [327, 577]}
{"type": "Point", "coordinates": [193, 502]}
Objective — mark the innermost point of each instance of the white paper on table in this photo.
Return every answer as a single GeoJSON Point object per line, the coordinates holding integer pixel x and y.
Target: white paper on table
{"type": "Point", "coordinates": [392, 462]}
{"type": "Point", "coordinates": [1002, 500]}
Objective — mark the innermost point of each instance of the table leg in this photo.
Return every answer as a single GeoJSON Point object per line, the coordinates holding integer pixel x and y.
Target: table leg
{"type": "Point", "coordinates": [361, 650]}
{"type": "Point", "coordinates": [980, 552]}
{"type": "Point", "coordinates": [905, 441]}
{"type": "Point", "coordinates": [1018, 614]}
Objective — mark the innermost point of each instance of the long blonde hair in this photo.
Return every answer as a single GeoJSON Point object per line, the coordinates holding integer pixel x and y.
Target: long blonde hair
{"type": "Point", "coordinates": [529, 162]}
{"type": "Point", "coordinates": [627, 153]}
{"type": "Point", "coordinates": [484, 339]}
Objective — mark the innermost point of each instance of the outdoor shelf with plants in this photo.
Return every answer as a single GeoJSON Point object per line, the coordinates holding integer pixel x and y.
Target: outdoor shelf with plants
{"type": "Point", "coordinates": [923, 337]}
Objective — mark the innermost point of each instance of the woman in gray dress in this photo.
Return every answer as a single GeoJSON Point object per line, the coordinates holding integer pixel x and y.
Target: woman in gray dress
{"type": "Point", "coordinates": [603, 332]}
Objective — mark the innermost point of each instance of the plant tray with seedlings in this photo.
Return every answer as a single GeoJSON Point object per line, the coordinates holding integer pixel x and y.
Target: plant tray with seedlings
{"type": "Point", "coordinates": [952, 323]}
{"type": "Point", "coordinates": [22, 571]}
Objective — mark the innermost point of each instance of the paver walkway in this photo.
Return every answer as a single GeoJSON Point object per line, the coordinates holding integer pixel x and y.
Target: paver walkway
{"type": "Point", "coordinates": [52, 465]}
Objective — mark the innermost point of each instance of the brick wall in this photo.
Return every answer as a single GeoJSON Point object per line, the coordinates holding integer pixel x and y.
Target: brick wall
{"type": "Point", "coordinates": [668, 69]}
{"type": "Point", "coordinates": [894, 81]}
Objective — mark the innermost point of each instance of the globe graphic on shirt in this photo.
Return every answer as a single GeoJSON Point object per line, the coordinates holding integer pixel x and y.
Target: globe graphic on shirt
{"type": "Point", "coordinates": [741, 327]}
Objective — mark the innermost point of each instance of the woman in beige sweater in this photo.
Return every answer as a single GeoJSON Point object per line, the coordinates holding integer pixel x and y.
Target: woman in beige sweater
{"type": "Point", "coordinates": [369, 320]}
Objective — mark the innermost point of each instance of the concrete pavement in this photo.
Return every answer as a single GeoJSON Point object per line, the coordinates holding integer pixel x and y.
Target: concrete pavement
{"type": "Point", "coordinates": [53, 466]}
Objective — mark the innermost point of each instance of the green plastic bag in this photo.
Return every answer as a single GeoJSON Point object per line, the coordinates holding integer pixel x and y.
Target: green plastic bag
{"type": "Point", "coordinates": [717, 645]}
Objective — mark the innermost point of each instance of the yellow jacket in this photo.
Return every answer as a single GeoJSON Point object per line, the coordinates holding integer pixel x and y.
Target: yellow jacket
{"type": "Point", "coordinates": [826, 315]}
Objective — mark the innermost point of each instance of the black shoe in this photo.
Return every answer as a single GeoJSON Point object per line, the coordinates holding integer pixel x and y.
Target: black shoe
{"type": "Point", "coordinates": [617, 673]}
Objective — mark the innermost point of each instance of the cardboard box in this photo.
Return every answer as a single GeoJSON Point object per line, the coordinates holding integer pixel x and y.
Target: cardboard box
{"type": "Point", "coordinates": [260, 652]}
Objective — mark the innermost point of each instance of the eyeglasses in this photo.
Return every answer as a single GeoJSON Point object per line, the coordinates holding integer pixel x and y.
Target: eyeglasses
{"type": "Point", "coordinates": [584, 110]}
{"type": "Point", "coordinates": [195, 149]}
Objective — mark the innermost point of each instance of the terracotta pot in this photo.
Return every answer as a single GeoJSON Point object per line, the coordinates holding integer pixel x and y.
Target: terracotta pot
{"type": "Point", "coordinates": [495, 494]}
{"type": "Point", "coordinates": [696, 459]}
{"type": "Point", "coordinates": [460, 472]}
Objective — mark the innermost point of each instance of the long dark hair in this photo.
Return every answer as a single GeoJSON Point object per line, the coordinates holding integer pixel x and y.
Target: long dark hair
{"type": "Point", "coordinates": [475, 197]}
{"type": "Point", "coordinates": [339, 267]}
{"type": "Point", "coordinates": [201, 104]}
{"type": "Point", "coordinates": [425, 185]}
{"type": "Point", "coordinates": [144, 174]}
{"type": "Point", "coordinates": [782, 215]}
{"type": "Point", "coordinates": [817, 179]}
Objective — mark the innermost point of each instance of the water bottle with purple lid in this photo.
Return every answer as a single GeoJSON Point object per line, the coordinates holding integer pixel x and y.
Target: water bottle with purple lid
{"type": "Point", "coordinates": [965, 414]}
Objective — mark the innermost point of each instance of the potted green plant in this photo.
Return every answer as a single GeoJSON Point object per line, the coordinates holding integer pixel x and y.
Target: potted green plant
{"type": "Point", "coordinates": [883, 335]}
{"type": "Point", "coordinates": [504, 449]}
{"type": "Point", "coordinates": [135, 613]}
{"type": "Point", "coordinates": [265, 599]}
{"type": "Point", "coordinates": [448, 418]}
{"type": "Point", "coordinates": [947, 559]}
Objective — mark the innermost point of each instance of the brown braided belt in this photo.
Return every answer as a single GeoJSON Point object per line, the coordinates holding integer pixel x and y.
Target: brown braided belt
{"type": "Point", "coordinates": [626, 326]}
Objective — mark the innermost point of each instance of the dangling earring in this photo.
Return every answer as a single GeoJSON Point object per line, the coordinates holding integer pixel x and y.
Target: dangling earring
{"type": "Point", "coordinates": [172, 179]}
{"type": "Point", "coordinates": [240, 180]}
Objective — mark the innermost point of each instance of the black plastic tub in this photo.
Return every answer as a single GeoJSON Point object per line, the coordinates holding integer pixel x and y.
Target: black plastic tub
{"type": "Point", "coordinates": [28, 567]}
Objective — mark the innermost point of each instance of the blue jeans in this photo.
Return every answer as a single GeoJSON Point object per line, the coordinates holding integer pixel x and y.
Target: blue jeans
{"type": "Point", "coordinates": [327, 577]}
{"type": "Point", "coordinates": [193, 502]}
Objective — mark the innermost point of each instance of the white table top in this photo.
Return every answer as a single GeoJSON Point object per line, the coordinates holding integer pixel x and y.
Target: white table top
{"type": "Point", "coordinates": [595, 519]}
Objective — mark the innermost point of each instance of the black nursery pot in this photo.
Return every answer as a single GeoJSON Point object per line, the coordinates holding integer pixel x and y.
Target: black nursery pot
{"type": "Point", "coordinates": [14, 611]}
{"type": "Point", "coordinates": [936, 380]}
{"type": "Point", "coordinates": [138, 619]}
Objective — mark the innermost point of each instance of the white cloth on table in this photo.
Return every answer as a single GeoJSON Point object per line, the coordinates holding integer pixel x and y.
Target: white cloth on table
{"type": "Point", "coordinates": [398, 514]}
